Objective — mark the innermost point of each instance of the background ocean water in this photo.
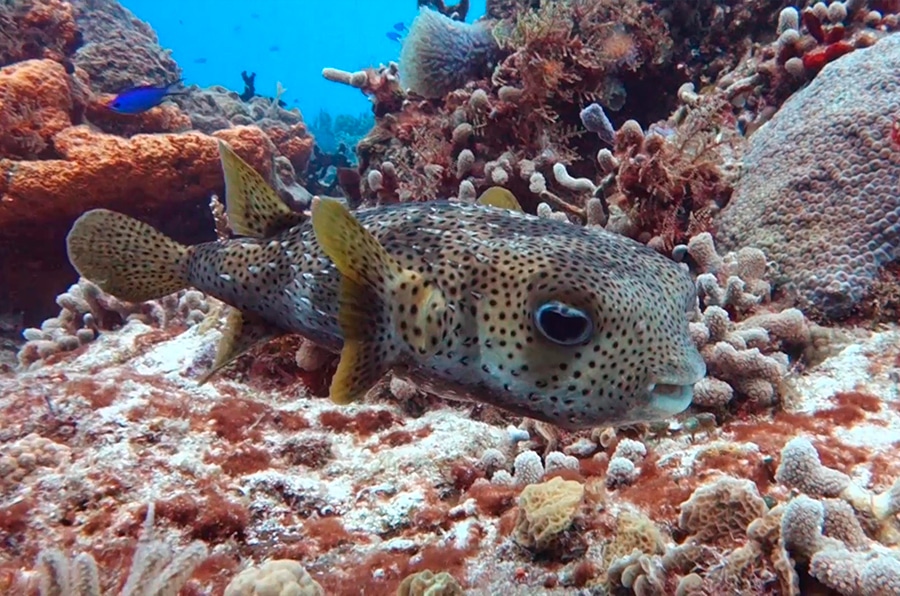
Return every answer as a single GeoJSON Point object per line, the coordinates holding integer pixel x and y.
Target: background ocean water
{"type": "Point", "coordinates": [287, 41]}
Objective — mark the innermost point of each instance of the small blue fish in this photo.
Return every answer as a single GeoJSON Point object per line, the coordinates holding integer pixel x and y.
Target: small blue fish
{"type": "Point", "coordinates": [393, 36]}
{"type": "Point", "coordinates": [141, 98]}
{"type": "Point", "coordinates": [400, 27]}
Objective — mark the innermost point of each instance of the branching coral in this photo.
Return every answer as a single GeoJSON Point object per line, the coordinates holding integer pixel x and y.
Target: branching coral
{"type": "Point", "coordinates": [746, 348]}
{"type": "Point", "coordinates": [86, 311]}
{"type": "Point", "coordinates": [664, 185]}
{"type": "Point", "coordinates": [800, 468]}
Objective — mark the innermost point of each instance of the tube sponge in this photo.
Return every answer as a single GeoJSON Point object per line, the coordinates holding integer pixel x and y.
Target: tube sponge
{"type": "Point", "coordinates": [440, 55]}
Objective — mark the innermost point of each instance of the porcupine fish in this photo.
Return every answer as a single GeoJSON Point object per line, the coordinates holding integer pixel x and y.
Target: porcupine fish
{"type": "Point", "coordinates": [564, 324]}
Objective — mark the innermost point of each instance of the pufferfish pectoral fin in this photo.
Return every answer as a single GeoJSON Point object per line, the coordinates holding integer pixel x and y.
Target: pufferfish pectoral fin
{"type": "Point", "coordinates": [502, 198]}
{"type": "Point", "coordinates": [372, 282]}
{"type": "Point", "coordinates": [254, 208]}
{"type": "Point", "coordinates": [240, 334]}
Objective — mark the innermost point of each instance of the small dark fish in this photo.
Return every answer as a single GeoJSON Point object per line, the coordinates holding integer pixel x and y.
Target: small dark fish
{"type": "Point", "coordinates": [393, 36]}
{"type": "Point", "coordinates": [400, 26]}
{"type": "Point", "coordinates": [274, 48]}
{"type": "Point", "coordinates": [141, 98]}
{"type": "Point", "coordinates": [254, 15]}
{"type": "Point", "coordinates": [200, 61]}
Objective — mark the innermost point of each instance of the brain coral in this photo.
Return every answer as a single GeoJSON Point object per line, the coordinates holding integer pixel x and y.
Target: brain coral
{"type": "Point", "coordinates": [819, 189]}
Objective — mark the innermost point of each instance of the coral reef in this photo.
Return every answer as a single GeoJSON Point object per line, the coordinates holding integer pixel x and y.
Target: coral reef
{"type": "Point", "coordinates": [816, 193]}
{"type": "Point", "coordinates": [38, 29]}
{"type": "Point", "coordinates": [55, 161]}
{"type": "Point", "coordinates": [684, 125]}
{"type": "Point", "coordinates": [363, 498]}
{"type": "Point", "coordinates": [119, 49]}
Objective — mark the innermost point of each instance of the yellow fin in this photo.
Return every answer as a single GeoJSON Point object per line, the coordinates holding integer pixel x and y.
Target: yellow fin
{"type": "Point", "coordinates": [364, 360]}
{"type": "Point", "coordinates": [254, 208]}
{"type": "Point", "coordinates": [125, 257]}
{"type": "Point", "coordinates": [364, 302]}
{"type": "Point", "coordinates": [357, 254]}
{"type": "Point", "coordinates": [240, 334]}
{"type": "Point", "coordinates": [502, 198]}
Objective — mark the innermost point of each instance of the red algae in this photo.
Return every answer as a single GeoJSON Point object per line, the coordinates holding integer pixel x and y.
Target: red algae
{"type": "Point", "coordinates": [431, 518]}
{"type": "Point", "coordinates": [97, 394]}
{"type": "Point", "coordinates": [219, 519]}
{"type": "Point", "coordinates": [492, 499]}
{"type": "Point", "coordinates": [312, 452]}
{"type": "Point", "coordinates": [364, 423]}
{"type": "Point", "coordinates": [244, 459]}
{"type": "Point", "coordinates": [396, 438]}
{"type": "Point", "coordinates": [236, 419]}
{"type": "Point", "coordinates": [328, 532]}
{"type": "Point", "coordinates": [836, 454]}
{"type": "Point", "coordinates": [657, 491]}
{"type": "Point", "coordinates": [464, 475]}
{"type": "Point", "coordinates": [751, 465]}
{"type": "Point", "coordinates": [14, 519]}
{"type": "Point", "coordinates": [361, 579]}
{"type": "Point", "coordinates": [591, 467]}
{"type": "Point", "coordinates": [181, 509]}
{"type": "Point", "coordinates": [863, 401]}
{"type": "Point", "coordinates": [216, 571]}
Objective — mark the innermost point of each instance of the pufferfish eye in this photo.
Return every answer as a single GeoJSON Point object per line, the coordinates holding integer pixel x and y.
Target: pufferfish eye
{"type": "Point", "coordinates": [563, 324]}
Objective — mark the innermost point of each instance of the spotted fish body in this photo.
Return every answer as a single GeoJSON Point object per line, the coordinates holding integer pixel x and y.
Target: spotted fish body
{"type": "Point", "coordinates": [546, 319]}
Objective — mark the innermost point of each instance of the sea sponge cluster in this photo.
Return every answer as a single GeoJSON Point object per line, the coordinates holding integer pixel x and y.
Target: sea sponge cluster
{"type": "Point", "coordinates": [818, 193]}
{"type": "Point", "coordinates": [37, 29]}
{"type": "Point", "coordinates": [37, 99]}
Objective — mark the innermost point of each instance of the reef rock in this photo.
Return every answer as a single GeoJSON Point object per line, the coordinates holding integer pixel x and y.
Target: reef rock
{"type": "Point", "coordinates": [120, 50]}
{"type": "Point", "coordinates": [819, 192]}
{"type": "Point", "coordinates": [37, 29]}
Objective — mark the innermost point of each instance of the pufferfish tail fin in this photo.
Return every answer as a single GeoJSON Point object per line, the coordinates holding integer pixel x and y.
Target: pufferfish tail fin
{"type": "Point", "coordinates": [377, 296]}
{"type": "Point", "coordinates": [125, 257]}
{"type": "Point", "coordinates": [253, 207]}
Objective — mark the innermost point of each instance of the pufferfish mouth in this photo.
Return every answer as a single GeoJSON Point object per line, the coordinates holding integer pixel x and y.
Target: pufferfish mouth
{"type": "Point", "coordinates": [671, 399]}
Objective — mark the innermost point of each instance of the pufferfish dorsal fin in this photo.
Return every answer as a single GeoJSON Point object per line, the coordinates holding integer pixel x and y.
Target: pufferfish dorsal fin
{"type": "Point", "coordinates": [376, 294]}
{"type": "Point", "coordinates": [499, 197]}
{"type": "Point", "coordinates": [254, 208]}
{"type": "Point", "coordinates": [240, 334]}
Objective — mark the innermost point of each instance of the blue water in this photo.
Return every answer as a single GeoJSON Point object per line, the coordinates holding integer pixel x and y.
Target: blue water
{"type": "Point", "coordinates": [287, 41]}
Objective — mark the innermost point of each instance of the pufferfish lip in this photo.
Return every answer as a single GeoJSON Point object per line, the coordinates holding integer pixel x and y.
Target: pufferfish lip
{"type": "Point", "coordinates": [670, 399]}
